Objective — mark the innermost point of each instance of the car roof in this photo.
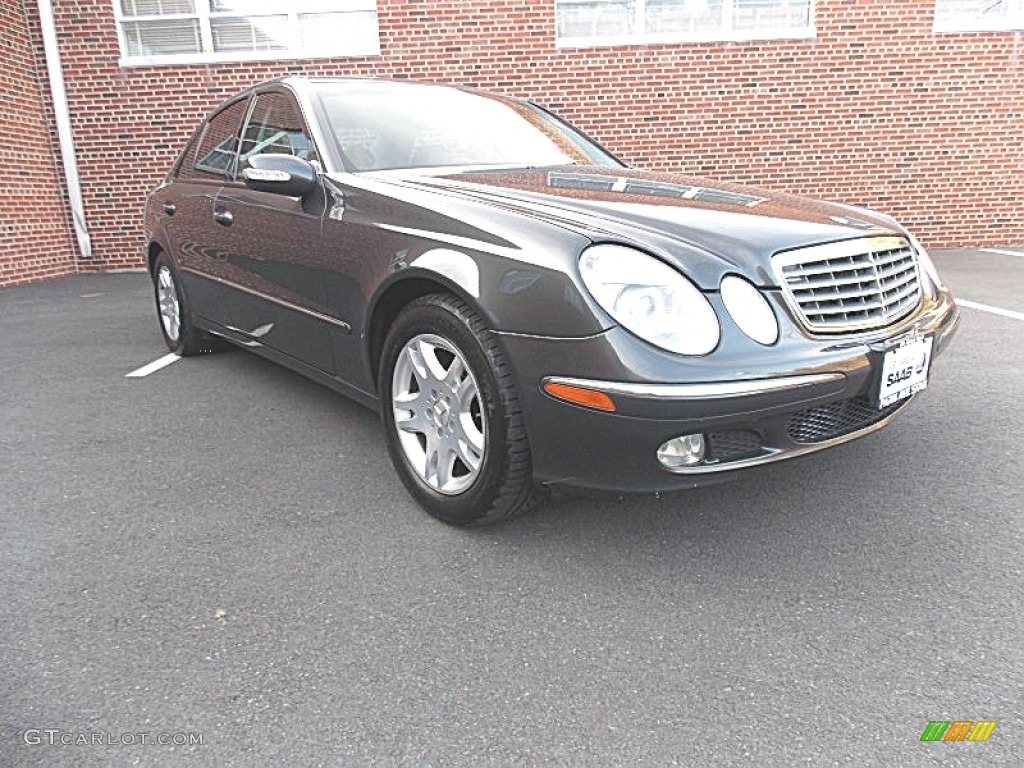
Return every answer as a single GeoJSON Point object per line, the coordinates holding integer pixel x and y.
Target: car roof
{"type": "Point", "coordinates": [302, 86]}
{"type": "Point", "coordinates": [355, 79]}
{"type": "Point", "coordinates": [302, 83]}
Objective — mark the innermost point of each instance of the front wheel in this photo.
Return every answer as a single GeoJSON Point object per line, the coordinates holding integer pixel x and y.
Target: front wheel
{"type": "Point", "coordinates": [449, 405]}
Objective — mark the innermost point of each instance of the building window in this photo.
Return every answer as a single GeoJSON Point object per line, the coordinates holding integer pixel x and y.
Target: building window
{"type": "Point", "coordinates": [194, 31]}
{"type": "Point", "coordinates": [978, 15]}
{"type": "Point", "coordinates": [625, 22]}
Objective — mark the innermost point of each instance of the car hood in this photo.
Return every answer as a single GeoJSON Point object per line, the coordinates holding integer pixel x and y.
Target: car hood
{"type": "Point", "coordinates": [705, 228]}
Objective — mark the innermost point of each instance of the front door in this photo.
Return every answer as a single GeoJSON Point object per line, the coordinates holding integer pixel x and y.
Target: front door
{"type": "Point", "coordinates": [279, 297]}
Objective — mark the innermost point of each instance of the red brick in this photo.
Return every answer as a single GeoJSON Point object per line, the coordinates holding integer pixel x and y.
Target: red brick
{"type": "Point", "coordinates": [877, 110]}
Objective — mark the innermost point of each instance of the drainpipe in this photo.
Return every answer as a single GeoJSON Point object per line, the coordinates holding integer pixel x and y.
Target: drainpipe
{"type": "Point", "coordinates": [63, 118]}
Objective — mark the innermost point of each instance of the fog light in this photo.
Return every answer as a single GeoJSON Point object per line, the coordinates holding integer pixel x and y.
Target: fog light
{"type": "Point", "coordinates": [682, 451]}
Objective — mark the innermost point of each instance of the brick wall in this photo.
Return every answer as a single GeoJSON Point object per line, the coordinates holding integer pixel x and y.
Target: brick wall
{"type": "Point", "coordinates": [34, 236]}
{"type": "Point", "coordinates": [877, 110]}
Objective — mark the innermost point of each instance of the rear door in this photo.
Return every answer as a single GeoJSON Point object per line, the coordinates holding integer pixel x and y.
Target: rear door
{"type": "Point", "coordinates": [198, 242]}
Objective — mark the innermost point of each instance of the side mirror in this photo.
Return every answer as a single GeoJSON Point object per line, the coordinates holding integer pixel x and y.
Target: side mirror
{"type": "Point", "coordinates": [280, 174]}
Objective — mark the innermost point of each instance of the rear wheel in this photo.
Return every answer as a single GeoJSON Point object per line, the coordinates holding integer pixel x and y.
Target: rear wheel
{"type": "Point", "coordinates": [451, 411]}
{"type": "Point", "coordinates": [180, 335]}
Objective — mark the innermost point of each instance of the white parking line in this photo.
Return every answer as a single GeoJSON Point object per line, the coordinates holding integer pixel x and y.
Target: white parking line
{"type": "Point", "coordinates": [1003, 251]}
{"type": "Point", "coordinates": [156, 365]}
{"type": "Point", "coordinates": [989, 308]}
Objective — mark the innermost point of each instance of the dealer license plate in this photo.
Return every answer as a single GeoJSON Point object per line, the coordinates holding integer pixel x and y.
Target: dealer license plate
{"type": "Point", "coordinates": [905, 370]}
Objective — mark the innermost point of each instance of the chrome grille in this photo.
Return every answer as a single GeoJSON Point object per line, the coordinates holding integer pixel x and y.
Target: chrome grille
{"type": "Point", "coordinates": [851, 285]}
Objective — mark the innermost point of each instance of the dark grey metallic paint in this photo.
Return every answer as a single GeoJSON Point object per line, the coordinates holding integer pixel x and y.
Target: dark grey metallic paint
{"type": "Point", "coordinates": [312, 283]}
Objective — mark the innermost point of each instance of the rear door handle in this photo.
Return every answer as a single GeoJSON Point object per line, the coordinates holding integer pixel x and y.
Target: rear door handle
{"type": "Point", "coordinates": [170, 208]}
{"type": "Point", "coordinates": [223, 217]}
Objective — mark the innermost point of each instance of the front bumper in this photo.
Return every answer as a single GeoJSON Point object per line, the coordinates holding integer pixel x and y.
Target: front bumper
{"type": "Point", "coordinates": [754, 405]}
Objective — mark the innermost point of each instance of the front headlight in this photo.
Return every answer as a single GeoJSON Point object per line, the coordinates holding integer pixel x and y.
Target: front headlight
{"type": "Point", "coordinates": [927, 265]}
{"type": "Point", "coordinates": [751, 311]}
{"type": "Point", "coordinates": [650, 299]}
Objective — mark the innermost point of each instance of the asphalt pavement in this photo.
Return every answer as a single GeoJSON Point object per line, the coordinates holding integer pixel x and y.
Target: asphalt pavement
{"type": "Point", "coordinates": [220, 552]}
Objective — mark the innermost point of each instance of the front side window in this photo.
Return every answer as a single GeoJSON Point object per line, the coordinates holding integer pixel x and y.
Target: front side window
{"type": "Point", "coordinates": [275, 127]}
{"type": "Point", "coordinates": [192, 31]}
{"type": "Point", "coordinates": [623, 22]}
{"type": "Point", "coordinates": [215, 155]}
{"type": "Point", "coordinates": [978, 15]}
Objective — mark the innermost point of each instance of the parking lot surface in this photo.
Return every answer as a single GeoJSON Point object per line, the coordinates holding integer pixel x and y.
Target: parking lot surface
{"type": "Point", "coordinates": [221, 551]}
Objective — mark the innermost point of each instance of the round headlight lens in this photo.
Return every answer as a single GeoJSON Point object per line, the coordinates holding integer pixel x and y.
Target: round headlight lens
{"type": "Point", "coordinates": [750, 309]}
{"type": "Point", "coordinates": [650, 298]}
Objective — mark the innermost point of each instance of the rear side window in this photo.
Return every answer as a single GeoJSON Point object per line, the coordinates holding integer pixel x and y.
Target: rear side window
{"type": "Point", "coordinates": [183, 165]}
{"type": "Point", "coordinates": [215, 157]}
{"type": "Point", "coordinates": [275, 127]}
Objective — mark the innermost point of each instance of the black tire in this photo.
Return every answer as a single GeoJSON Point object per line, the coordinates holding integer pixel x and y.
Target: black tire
{"type": "Point", "coordinates": [503, 484]}
{"type": "Point", "coordinates": [189, 339]}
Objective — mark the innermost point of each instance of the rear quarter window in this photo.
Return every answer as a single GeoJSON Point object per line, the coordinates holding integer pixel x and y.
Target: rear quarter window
{"type": "Point", "coordinates": [183, 165]}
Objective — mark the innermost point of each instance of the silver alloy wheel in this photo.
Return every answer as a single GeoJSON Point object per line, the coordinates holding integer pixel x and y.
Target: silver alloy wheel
{"type": "Point", "coordinates": [167, 303]}
{"type": "Point", "coordinates": [438, 413]}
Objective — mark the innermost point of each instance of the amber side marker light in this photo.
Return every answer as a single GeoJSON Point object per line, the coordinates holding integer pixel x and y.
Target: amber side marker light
{"type": "Point", "coordinates": [588, 398]}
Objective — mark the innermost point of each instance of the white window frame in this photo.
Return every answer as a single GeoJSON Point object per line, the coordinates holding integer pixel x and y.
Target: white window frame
{"type": "Point", "coordinates": [370, 47]}
{"type": "Point", "coordinates": [723, 34]}
{"type": "Point", "coordinates": [1004, 23]}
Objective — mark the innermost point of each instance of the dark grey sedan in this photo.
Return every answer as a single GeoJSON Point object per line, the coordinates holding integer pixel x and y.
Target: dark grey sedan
{"type": "Point", "coordinates": [523, 308]}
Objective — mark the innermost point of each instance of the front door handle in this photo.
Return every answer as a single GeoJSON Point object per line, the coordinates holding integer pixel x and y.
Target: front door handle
{"type": "Point", "coordinates": [223, 217]}
{"type": "Point", "coordinates": [170, 208]}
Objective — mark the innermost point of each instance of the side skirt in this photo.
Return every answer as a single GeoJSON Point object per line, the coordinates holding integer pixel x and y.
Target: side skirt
{"type": "Point", "coordinates": [331, 382]}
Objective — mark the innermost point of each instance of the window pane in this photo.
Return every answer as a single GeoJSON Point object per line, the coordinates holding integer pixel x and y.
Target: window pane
{"type": "Point", "coordinates": [968, 7]}
{"type": "Point", "coordinates": [251, 7]}
{"type": "Point", "coordinates": [326, 31]}
{"type": "Point", "coordinates": [216, 155]}
{"type": "Point", "coordinates": [183, 168]}
{"type": "Point", "coordinates": [237, 27]}
{"type": "Point", "coordinates": [275, 127]}
{"type": "Point", "coordinates": [158, 38]}
{"type": "Point", "coordinates": [257, 33]}
{"type": "Point", "coordinates": [387, 126]}
{"type": "Point", "coordinates": [156, 7]}
{"type": "Point", "coordinates": [772, 14]}
{"type": "Point", "coordinates": [683, 16]}
{"type": "Point", "coordinates": [271, 7]}
{"type": "Point", "coordinates": [980, 11]}
{"type": "Point", "coordinates": [597, 18]}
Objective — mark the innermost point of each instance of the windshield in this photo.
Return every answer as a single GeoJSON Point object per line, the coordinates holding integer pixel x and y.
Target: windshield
{"type": "Point", "coordinates": [381, 126]}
